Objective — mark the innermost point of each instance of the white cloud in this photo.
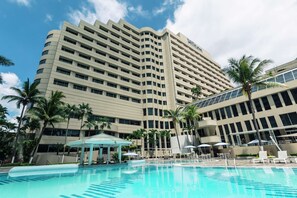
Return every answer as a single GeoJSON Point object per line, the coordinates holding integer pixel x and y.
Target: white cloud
{"type": "Point", "coordinates": [101, 10]}
{"type": "Point", "coordinates": [231, 28]}
{"type": "Point", "coordinates": [166, 5]}
{"type": "Point", "coordinates": [22, 2]}
{"type": "Point", "coordinates": [10, 80]}
{"type": "Point", "coordinates": [138, 10]}
{"type": "Point", "coordinates": [48, 18]}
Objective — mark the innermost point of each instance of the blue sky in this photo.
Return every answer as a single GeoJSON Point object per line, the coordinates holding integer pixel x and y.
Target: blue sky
{"type": "Point", "coordinates": [25, 23]}
{"type": "Point", "coordinates": [229, 28]}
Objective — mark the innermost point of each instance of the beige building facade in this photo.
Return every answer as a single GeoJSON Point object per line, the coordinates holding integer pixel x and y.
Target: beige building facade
{"type": "Point", "coordinates": [126, 74]}
{"type": "Point", "coordinates": [276, 110]}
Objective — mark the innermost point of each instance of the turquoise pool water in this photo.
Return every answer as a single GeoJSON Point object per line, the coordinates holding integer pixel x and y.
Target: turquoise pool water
{"type": "Point", "coordinates": [155, 181]}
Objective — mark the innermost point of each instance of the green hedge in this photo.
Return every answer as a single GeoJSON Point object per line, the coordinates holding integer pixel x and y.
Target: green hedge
{"type": "Point", "coordinates": [247, 155]}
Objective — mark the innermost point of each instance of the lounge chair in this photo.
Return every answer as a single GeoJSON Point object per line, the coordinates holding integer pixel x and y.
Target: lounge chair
{"type": "Point", "coordinates": [282, 156]}
{"type": "Point", "coordinates": [262, 157]}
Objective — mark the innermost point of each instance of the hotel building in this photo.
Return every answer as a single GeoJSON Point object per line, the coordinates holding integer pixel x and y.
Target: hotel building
{"type": "Point", "coordinates": [276, 110]}
{"type": "Point", "coordinates": [126, 74]}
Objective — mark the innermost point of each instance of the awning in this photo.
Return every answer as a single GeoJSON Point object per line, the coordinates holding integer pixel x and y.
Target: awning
{"type": "Point", "coordinates": [289, 135]}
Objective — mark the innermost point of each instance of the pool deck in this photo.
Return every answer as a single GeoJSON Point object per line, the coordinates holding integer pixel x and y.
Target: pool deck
{"type": "Point", "coordinates": [246, 163]}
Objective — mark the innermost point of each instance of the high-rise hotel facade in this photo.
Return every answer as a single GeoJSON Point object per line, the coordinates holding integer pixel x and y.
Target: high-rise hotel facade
{"type": "Point", "coordinates": [126, 74]}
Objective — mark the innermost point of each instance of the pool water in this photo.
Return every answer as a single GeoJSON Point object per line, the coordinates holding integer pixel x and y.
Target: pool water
{"type": "Point", "coordinates": [155, 181]}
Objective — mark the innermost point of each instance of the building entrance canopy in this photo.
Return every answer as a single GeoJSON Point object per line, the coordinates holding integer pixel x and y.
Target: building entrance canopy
{"type": "Point", "coordinates": [100, 141]}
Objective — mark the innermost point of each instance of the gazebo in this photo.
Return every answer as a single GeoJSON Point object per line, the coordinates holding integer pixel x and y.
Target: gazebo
{"type": "Point", "coordinates": [99, 141]}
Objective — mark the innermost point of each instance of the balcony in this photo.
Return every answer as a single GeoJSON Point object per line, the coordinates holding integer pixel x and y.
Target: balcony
{"type": "Point", "coordinates": [210, 139]}
{"type": "Point", "coordinates": [206, 123]}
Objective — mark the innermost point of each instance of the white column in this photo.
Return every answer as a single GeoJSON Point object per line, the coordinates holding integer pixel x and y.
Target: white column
{"type": "Point", "coordinates": [120, 154]}
{"type": "Point", "coordinates": [100, 152]}
{"type": "Point", "coordinates": [91, 154]}
{"type": "Point", "coordinates": [82, 155]}
{"type": "Point", "coordinates": [108, 155]}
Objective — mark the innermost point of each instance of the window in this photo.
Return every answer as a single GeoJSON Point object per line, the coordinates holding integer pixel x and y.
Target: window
{"type": "Point", "coordinates": [264, 123]}
{"type": "Point", "coordinates": [156, 112]}
{"type": "Point", "coordinates": [85, 56]}
{"type": "Point", "coordinates": [156, 124]}
{"type": "Point", "coordinates": [265, 103]}
{"type": "Point", "coordinates": [228, 111]}
{"type": "Point", "coordinates": [124, 79]}
{"type": "Point", "coordinates": [144, 112]}
{"type": "Point", "coordinates": [65, 60]}
{"type": "Point", "coordinates": [71, 31]}
{"type": "Point", "coordinates": [60, 83]}
{"type": "Point", "coordinates": [68, 50]}
{"type": "Point", "coordinates": [49, 36]}
{"type": "Point", "coordinates": [111, 85]}
{"type": "Point", "coordinates": [150, 124]}
{"type": "Point", "coordinates": [124, 88]}
{"type": "Point", "coordinates": [234, 109]}
{"type": "Point", "coordinates": [112, 95]}
{"type": "Point", "coordinates": [45, 52]}
{"type": "Point", "coordinates": [272, 121]}
{"type": "Point", "coordinates": [232, 126]}
{"type": "Point", "coordinates": [47, 44]}
{"type": "Point", "coordinates": [69, 40]}
{"type": "Point", "coordinates": [96, 80]}
{"type": "Point", "coordinates": [248, 125]}
{"type": "Point", "coordinates": [42, 61]}
{"type": "Point", "coordinates": [242, 108]}
{"type": "Point", "coordinates": [150, 111]}
{"type": "Point", "coordinates": [39, 71]}
{"type": "Point", "coordinates": [249, 106]}
{"type": "Point", "coordinates": [160, 112]}
{"type": "Point", "coordinates": [63, 71]}
{"type": "Point", "coordinates": [80, 87]}
{"type": "Point", "coordinates": [223, 113]}
{"type": "Point", "coordinates": [99, 71]}
{"type": "Point", "coordinates": [144, 124]}
{"type": "Point", "coordinates": [217, 114]}
{"type": "Point", "coordinates": [83, 66]}
{"type": "Point", "coordinates": [276, 100]}
{"type": "Point", "coordinates": [129, 122]}
{"type": "Point", "coordinates": [257, 105]}
{"type": "Point", "coordinates": [81, 76]}
{"type": "Point", "coordinates": [239, 127]}
{"type": "Point", "coordinates": [96, 91]}
{"type": "Point", "coordinates": [136, 100]}
{"type": "Point", "coordinates": [135, 91]}
{"type": "Point", "coordinates": [286, 98]}
{"type": "Point", "coordinates": [124, 97]}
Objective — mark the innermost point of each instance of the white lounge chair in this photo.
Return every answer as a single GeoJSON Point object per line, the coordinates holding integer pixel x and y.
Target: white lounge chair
{"type": "Point", "coordinates": [262, 157]}
{"type": "Point", "coordinates": [282, 156]}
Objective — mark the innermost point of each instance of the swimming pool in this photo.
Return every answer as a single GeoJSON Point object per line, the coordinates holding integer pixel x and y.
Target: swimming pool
{"type": "Point", "coordinates": [155, 181]}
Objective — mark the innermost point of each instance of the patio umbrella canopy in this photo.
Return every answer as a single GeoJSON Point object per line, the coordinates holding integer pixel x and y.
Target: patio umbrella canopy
{"type": "Point", "coordinates": [189, 146]}
{"type": "Point", "coordinates": [130, 154]}
{"type": "Point", "coordinates": [204, 145]}
{"type": "Point", "coordinates": [222, 144]}
{"type": "Point", "coordinates": [257, 141]}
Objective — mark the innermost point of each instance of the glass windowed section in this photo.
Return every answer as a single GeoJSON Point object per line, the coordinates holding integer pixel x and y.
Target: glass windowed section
{"type": "Point", "coordinates": [234, 93]}
{"type": "Point", "coordinates": [144, 124]}
{"type": "Point", "coordinates": [144, 112]}
{"type": "Point", "coordinates": [166, 125]}
{"type": "Point", "coordinates": [294, 93]}
{"type": "Point", "coordinates": [257, 105]}
{"type": "Point", "coordinates": [264, 123]}
{"type": "Point", "coordinates": [285, 119]}
{"type": "Point", "coordinates": [150, 111]}
{"type": "Point", "coordinates": [295, 73]}
{"type": "Point", "coordinates": [257, 122]}
{"type": "Point", "coordinates": [156, 124]}
{"type": "Point", "coordinates": [129, 122]}
{"type": "Point", "coordinates": [232, 126]}
{"type": "Point", "coordinates": [242, 108]}
{"type": "Point", "coordinates": [63, 71]}
{"type": "Point", "coordinates": [286, 98]}
{"type": "Point", "coordinates": [210, 115]}
{"type": "Point", "coordinates": [228, 111]}
{"type": "Point", "coordinates": [150, 124]}
{"type": "Point", "coordinates": [217, 114]}
{"type": "Point", "coordinates": [227, 131]}
{"type": "Point", "coordinates": [272, 121]}
{"type": "Point", "coordinates": [248, 125]}
{"type": "Point", "coordinates": [61, 83]}
{"type": "Point", "coordinates": [280, 79]}
{"type": "Point", "coordinates": [265, 103]}
{"type": "Point", "coordinates": [222, 133]}
{"type": "Point", "coordinates": [80, 87]}
{"type": "Point", "coordinates": [234, 109]}
{"type": "Point", "coordinates": [223, 113]}
{"type": "Point", "coordinates": [156, 112]}
{"type": "Point", "coordinates": [239, 127]}
{"type": "Point", "coordinates": [276, 100]}
{"type": "Point", "coordinates": [288, 76]}
{"type": "Point", "coordinates": [112, 95]}
{"type": "Point", "coordinates": [293, 117]}
{"type": "Point", "coordinates": [96, 91]}
{"type": "Point", "coordinates": [160, 112]}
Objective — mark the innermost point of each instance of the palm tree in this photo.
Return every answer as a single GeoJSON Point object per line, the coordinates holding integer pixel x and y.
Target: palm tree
{"type": "Point", "coordinates": [102, 123]}
{"type": "Point", "coordinates": [49, 111]}
{"type": "Point", "coordinates": [89, 123]}
{"type": "Point", "coordinates": [84, 111]}
{"type": "Point", "coordinates": [28, 94]}
{"type": "Point", "coordinates": [196, 92]}
{"type": "Point", "coordinates": [70, 112]}
{"type": "Point", "coordinates": [176, 117]}
{"type": "Point", "coordinates": [247, 72]}
{"type": "Point", "coordinates": [165, 134]}
{"type": "Point", "coordinates": [191, 114]}
{"type": "Point", "coordinates": [5, 62]}
{"type": "Point", "coordinates": [139, 134]}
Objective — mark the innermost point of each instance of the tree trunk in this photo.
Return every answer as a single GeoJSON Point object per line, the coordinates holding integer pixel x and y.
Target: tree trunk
{"type": "Point", "coordinates": [81, 135]}
{"type": "Point", "coordinates": [34, 151]}
{"type": "Point", "coordinates": [176, 133]}
{"type": "Point", "coordinates": [17, 135]}
{"type": "Point", "coordinates": [254, 120]}
{"type": "Point", "coordinates": [65, 141]}
{"type": "Point", "coordinates": [142, 146]}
